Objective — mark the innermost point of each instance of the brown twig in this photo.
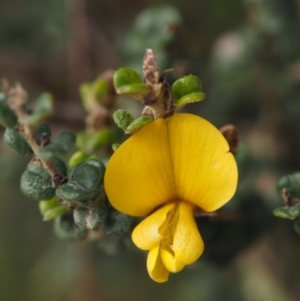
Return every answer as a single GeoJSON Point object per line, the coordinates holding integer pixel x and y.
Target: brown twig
{"type": "Point", "coordinates": [159, 99]}
{"type": "Point", "coordinates": [17, 102]}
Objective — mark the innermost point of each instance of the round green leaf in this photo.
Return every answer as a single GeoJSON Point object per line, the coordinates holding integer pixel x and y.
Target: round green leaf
{"type": "Point", "coordinates": [82, 139]}
{"type": "Point", "coordinates": [42, 129]}
{"type": "Point", "coordinates": [98, 139]}
{"type": "Point", "coordinates": [84, 178]}
{"type": "Point", "coordinates": [186, 85]}
{"type": "Point", "coordinates": [122, 119]}
{"type": "Point", "coordinates": [7, 117]}
{"type": "Point", "coordinates": [138, 123]}
{"type": "Point", "coordinates": [117, 223]}
{"type": "Point", "coordinates": [126, 76]}
{"type": "Point", "coordinates": [190, 98]}
{"type": "Point", "coordinates": [100, 89]}
{"type": "Point", "coordinates": [187, 90]}
{"type": "Point", "coordinates": [288, 212]}
{"type": "Point", "coordinates": [66, 229]}
{"type": "Point", "coordinates": [51, 209]}
{"type": "Point", "coordinates": [16, 142]}
{"type": "Point", "coordinates": [91, 199]}
{"type": "Point", "coordinates": [43, 108]}
{"type": "Point", "coordinates": [60, 145]}
{"type": "Point", "coordinates": [36, 183]}
{"type": "Point", "coordinates": [78, 157]}
{"type": "Point", "coordinates": [90, 218]}
{"type": "Point", "coordinates": [135, 90]}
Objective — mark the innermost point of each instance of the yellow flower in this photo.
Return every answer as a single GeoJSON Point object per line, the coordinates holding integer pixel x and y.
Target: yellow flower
{"type": "Point", "coordinates": [164, 171]}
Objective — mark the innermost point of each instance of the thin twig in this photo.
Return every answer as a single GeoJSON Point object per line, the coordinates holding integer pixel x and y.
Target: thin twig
{"type": "Point", "coordinates": [17, 101]}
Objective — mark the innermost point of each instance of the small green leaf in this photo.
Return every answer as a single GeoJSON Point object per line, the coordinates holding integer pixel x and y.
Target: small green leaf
{"type": "Point", "coordinates": [85, 94]}
{"type": "Point", "coordinates": [90, 218]}
{"type": "Point", "coordinates": [91, 199]}
{"type": "Point", "coordinates": [129, 82]}
{"type": "Point", "coordinates": [187, 90]}
{"type": "Point", "coordinates": [36, 183]}
{"type": "Point", "coordinates": [115, 146]}
{"type": "Point", "coordinates": [52, 209]}
{"type": "Point", "coordinates": [135, 90]}
{"type": "Point", "coordinates": [288, 212]}
{"type": "Point", "coordinates": [291, 183]}
{"type": "Point", "coordinates": [42, 129]}
{"type": "Point", "coordinates": [60, 145]}
{"type": "Point", "coordinates": [100, 89]}
{"type": "Point", "coordinates": [117, 223]}
{"type": "Point", "coordinates": [84, 178]}
{"type": "Point", "coordinates": [43, 108]}
{"type": "Point", "coordinates": [16, 142]}
{"type": "Point", "coordinates": [66, 229]}
{"type": "Point", "coordinates": [193, 97]}
{"type": "Point", "coordinates": [82, 139]}
{"type": "Point", "coordinates": [78, 157]}
{"type": "Point", "coordinates": [7, 117]}
{"type": "Point", "coordinates": [297, 225]}
{"type": "Point", "coordinates": [92, 93]}
{"type": "Point", "coordinates": [97, 163]}
{"type": "Point", "coordinates": [126, 76]}
{"type": "Point", "coordinates": [138, 123]}
{"type": "Point", "coordinates": [98, 139]}
{"type": "Point", "coordinates": [122, 119]}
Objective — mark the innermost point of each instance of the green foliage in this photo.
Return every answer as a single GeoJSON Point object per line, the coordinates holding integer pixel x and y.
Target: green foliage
{"type": "Point", "coordinates": [91, 199]}
{"type": "Point", "coordinates": [51, 209]}
{"type": "Point", "coordinates": [66, 229]}
{"type": "Point", "coordinates": [16, 142]}
{"type": "Point", "coordinates": [96, 140]}
{"type": "Point", "coordinates": [129, 82]}
{"type": "Point", "coordinates": [138, 123]}
{"type": "Point", "coordinates": [60, 145]}
{"type": "Point", "coordinates": [84, 178]}
{"type": "Point", "coordinates": [127, 123]}
{"type": "Point", "coordinates": [187, 90]}
{"type": "Point", "coordinates": [291, 183]}
{"type": "Point", "coordinates": [7, 117]}
{"type": "Point", "coordinates": [122, 119]}
{"type": "Point", "coordinates": [92, 93]}
{"type": "Point", "coordinates": [43, 108]}
{"type": "Point", "coordinates": [90, 218]}
{"type": "Point", "coordinates": [78, 157]}
{"type": "Point", "coordinates": [42, 131]}
{"type": "Point", "coordinates": [115, 146]}
{"type": "Point", "coordinates": [117, 223]}
{"type": "Point", "coordinates": [289, 189]}
{"type": "Point", "coordinates": [297, 225]}
{"type": "Point", "coordinates": [36, 182]}
{"type": "Point", "coordinates": [288, 212]}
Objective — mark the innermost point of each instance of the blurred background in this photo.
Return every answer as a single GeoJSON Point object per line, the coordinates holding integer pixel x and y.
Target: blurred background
{"type": "Point", "coordinates": [247, 54]}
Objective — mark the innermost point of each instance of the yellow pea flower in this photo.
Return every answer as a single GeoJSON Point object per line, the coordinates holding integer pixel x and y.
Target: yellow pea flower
{"type": "Point", "coordinates": [164, 171]}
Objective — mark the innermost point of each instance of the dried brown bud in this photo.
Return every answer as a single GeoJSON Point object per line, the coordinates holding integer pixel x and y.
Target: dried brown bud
{"type": "Point", "coordinates": [159, 99]}
{"type": "Point", "coordinates": [231, 134]}
{"type": "Point", "coordinates": [150, 69]}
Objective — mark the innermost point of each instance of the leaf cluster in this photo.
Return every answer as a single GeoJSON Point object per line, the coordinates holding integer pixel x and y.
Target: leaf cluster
{"type": "Point", "coordinates": [70, 193]}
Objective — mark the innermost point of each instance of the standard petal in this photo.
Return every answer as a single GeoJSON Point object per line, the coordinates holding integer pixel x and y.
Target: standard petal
{"type": "Point", "coordinates": [147, 234]}
{"type": "Point", "coordinates": [187, 242]}
{"type": "Point", "coordinates": [156, 269]}
{"type": "Point", "coordinates": [205, 173]}
{"type": "Point", "coordinates": [139, 175]}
